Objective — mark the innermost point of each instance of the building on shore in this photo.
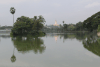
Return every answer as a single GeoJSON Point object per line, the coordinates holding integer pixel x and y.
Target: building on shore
{"type": "Point", "coordinates": [56, 23]}
{"type": "Point", "coordinates": [6, 28]}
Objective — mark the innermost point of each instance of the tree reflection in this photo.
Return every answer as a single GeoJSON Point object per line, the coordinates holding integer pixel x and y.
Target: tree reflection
{"type": "Point", "coordinates": [78, 36]}
{"type": "Point", "coordinates": [26, 44]}
{"type": "Point", "coordinates": [13, 57]}
{"type": "Point", "coordinates": [81, 36]}
{"type": "Point", "coordinates": [92, 43]}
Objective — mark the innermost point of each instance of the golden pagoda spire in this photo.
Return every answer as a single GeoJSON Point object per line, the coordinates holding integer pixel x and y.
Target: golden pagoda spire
{"type": "Point", "coordinates": [56, 23]}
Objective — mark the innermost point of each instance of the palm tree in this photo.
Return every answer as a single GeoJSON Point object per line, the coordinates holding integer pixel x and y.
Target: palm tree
{"type": "Point", "coordinates": [63, 22]}
{"type": "Point", "coordinates": [12, 11]}
{"type": "Point", "coordinates": [63, 25]}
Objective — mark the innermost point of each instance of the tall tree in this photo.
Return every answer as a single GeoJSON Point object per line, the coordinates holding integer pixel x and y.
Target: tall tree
{"type": "Point", "coordinates": [65, 27]}
{"type": "Point", "coordinates": [63, 22]}
{"type": "Point", "coordinates": [79, 26]}
{"type": "Point", "coordinates": [12, 11]}
{"type": "Point", "coordinates": [92, 22]}
{"type": "Point", "coordinates": [38, 23]}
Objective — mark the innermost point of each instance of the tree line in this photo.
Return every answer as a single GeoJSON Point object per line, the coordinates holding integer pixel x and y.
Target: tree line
{"type": "Point", "coordinates": [90, 24]}
{"type": "Point", "coordinates": [34, 25]}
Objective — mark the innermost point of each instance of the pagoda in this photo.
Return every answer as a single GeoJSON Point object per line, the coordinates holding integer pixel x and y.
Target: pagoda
{"type": "Point", "coordinates": [56, 23]}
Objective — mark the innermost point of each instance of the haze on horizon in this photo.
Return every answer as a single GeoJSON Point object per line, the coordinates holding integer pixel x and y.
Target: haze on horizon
{"type": "Point", "coordinates": [70, 11]}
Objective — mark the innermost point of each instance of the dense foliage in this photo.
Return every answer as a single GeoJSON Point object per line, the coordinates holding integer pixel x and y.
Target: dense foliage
{"type": "Point", "coordinates": [74, 27]}
{"type": "Point", "coordinates": [79, 26]}
{"type": "Point", "coordinates": [26, 25]}
{"type": "Point", "coordinates": [98, 28]}
{"type": "Point", "coordinates": [12, 10]}
{"type": "Point", "coordinates": [89, 24]}
{"type": "Point", "coordinates": [92, 22]}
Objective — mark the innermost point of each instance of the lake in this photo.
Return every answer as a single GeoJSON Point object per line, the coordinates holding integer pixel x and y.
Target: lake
{"type": "Point", "coordinates": [52, 50]}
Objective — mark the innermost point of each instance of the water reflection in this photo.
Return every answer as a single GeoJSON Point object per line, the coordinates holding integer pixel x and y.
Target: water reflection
{"type": "Point", "coordinates": [13, 57]}
{"type": "Point", "coordinates": [5, 36]}
{"type": "Point", "coordinates": [78, 36]}
{"type": "Point", "coordinates": [71, 53]}
{"type": "Point", "coordinates": [26, 44]}
{"type": "Point", "coordinates": [81, 36]}
{"type": "Point", "coordinates": [90, 40]}
{"type": "Point", "coordinates": [92, 43]}
{"type": "Point", "coordinates": [56, 37]}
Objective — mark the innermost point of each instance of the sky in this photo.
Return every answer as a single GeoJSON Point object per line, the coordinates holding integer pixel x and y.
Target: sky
{"type": "Point", "coordinates": [70, 11]}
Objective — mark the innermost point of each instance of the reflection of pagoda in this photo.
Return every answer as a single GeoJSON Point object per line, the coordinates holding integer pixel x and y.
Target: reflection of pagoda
{"type": "Point", "coordinates": [56, 23]}
{"type": "Point", "coordinates": [56, 37]}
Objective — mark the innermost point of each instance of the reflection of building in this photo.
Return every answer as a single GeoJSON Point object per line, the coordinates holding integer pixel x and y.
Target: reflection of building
{"type": "Point", "coordinates": [56, 23]}
{"type": "Point", "coordinates": [56, 37]}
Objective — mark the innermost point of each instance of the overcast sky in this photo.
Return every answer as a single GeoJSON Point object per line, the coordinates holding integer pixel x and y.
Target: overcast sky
{"type": "Point", "coordinates": [70, 11]}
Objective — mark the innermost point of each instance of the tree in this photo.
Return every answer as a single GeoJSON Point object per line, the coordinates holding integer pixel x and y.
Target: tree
{"type": "Point", "coordinates": [92, 22]}
{"type": "Point", "coordinates": [79, 26]}
{"type": "Point", "coordinates": [98, 28]}
{"type": "Point", "coordinates": [25, 25]}
{"type": "Point", "coordinates": [63, 22]}
{"type": "Point", "coordinates": [71, 27]}
{"type": "Point", "coordinates": [65, 26]}
{"type": "Point", "coordinates": [12, 11]}
{"type": "Point", "coordinates": [22, 25]}
{"type": "Point", "coordinates": [38, 23]}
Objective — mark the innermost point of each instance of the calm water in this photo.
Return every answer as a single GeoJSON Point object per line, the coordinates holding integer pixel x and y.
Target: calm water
{"type": "Point", "coordinates": [52, 50]}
